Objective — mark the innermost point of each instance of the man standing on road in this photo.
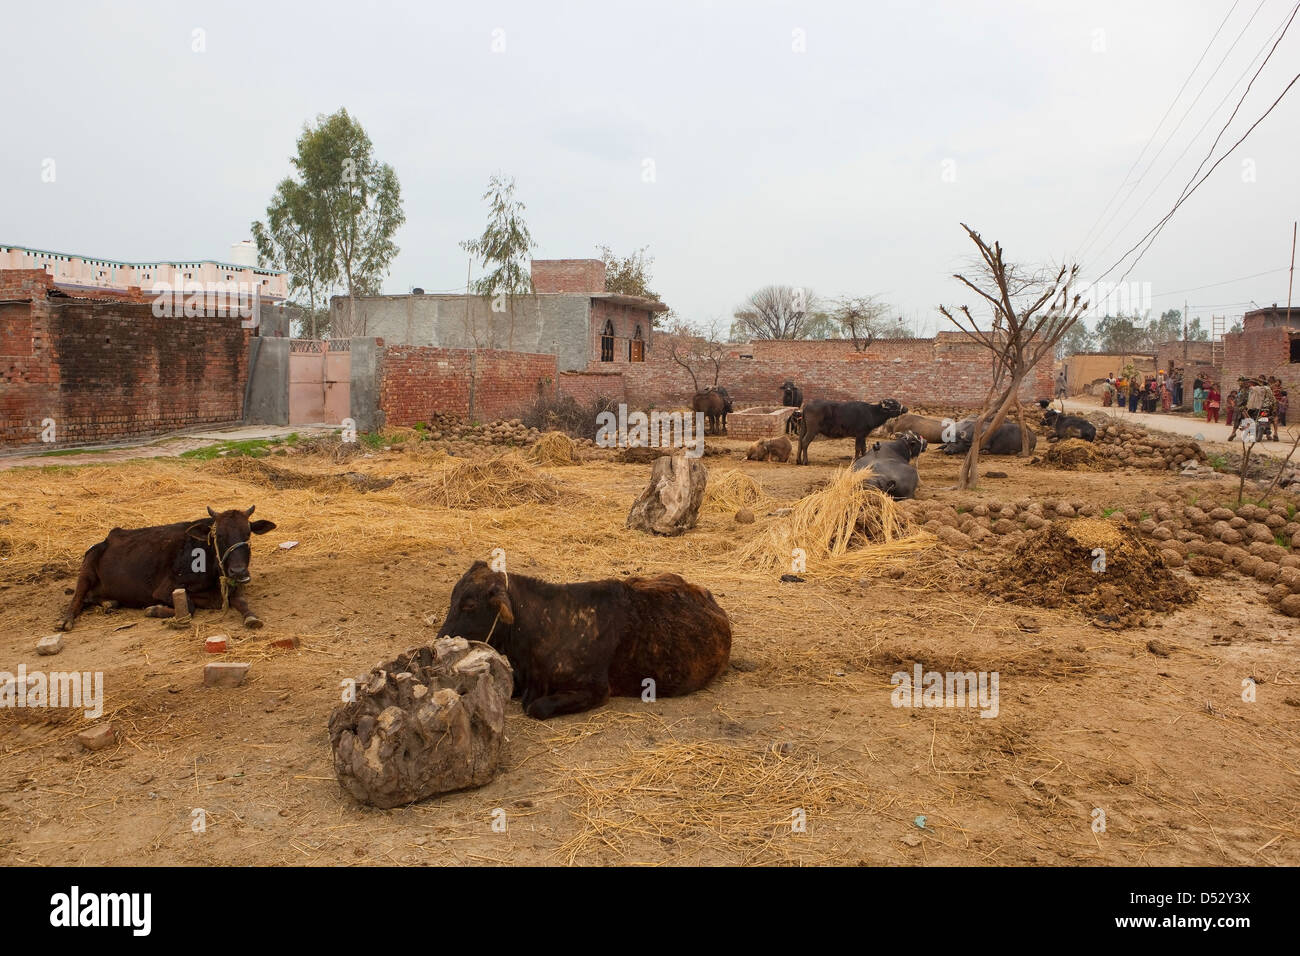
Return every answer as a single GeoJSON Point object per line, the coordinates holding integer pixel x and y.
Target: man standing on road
{"type": "Point", "coordinates": [1240, 398]}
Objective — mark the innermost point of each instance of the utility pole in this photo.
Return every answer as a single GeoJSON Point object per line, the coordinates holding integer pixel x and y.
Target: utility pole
{"type": "Point", "coordinates": [1187, 331]}
{"type": "Point", "coordinates": [1291, 281]}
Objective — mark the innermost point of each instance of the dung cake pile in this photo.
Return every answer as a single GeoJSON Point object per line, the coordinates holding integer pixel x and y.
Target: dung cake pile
{"type": "Point", "coordinates": [1074, 454]}
{"type": "Point", "coordinates": [1056, 566]}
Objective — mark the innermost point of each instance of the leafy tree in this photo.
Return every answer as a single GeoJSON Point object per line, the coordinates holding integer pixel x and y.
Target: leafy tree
{"type": "Point", "coordinates": [503, 248]}
{"type": "Point", "coordinates": [296, 238]}
{"type": "Point", "coordinates": [1116, 333]}
{"type": "Point", "coordinates": [630, 275]}
{"type": "Point", "coordinates": [344, 201]}
{"type": "Point", "coordinates": [1079, 338]}
{"type": "Point", "coordinates": [777, 312]}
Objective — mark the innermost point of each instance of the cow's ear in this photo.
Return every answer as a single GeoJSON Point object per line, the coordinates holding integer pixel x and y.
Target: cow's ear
{"type": "Point", "coordinates": [199, 532]}
{"type": "Point", "coordinates": [261, 527]}
{"type": "Point", "coordinates": [499, 598]}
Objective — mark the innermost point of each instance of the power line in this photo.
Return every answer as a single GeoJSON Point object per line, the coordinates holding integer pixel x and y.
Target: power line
{"type": "Point", "coordinates": [1224, 282]}
{"type": "Point", "coordinates": [1192, 141]}
{"type": "Point", "coordinates": [1194, 184]}
{"type": "Point", "coordinates": [1154, 133]}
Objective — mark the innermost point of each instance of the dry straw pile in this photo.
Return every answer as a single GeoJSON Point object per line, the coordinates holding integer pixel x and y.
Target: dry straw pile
{"type": "Point", "coordinates": [732, 490]}
{"type": "Point", "coordinates": [844, 530]}
{"type": "Point", "coordinates": [555, 448]}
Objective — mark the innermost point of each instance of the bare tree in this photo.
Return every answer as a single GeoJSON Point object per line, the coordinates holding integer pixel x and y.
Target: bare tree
{"type": "Point", "coordinates": [862, 317]}
{"type": "Point", "coordinates": [692, 351]}
{"type": "Point", "coordinates": [777, 312]}
{"type": "Point", "coordinates": [1032, 310]}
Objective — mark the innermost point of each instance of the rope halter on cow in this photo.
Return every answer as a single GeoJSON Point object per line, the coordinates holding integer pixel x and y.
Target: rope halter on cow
{"type": "Point", "coordinates": [225, 581]}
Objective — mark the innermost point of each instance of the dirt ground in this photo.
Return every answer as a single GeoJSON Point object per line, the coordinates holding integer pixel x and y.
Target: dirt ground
{"type": "Point", "coordinates": [800, 728]}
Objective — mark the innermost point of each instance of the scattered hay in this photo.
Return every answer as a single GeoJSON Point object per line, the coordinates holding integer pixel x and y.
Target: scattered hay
{"type": "Point", "coordinates": [740, 800]}
{"type": "Point", "coordinates": [257, 471]}
{"type": "Point", "coordinates": [555, 448]}
{"type": "Point", "coordinates": [502, 481]}
{"type": "Point", "coordinates": [1055, 569]}
{"type": "Point", "coordinates": [845, 529]}
{"type": "Point", "coordinates": [329, 446]}
{"type": "Point", "coordinates": [398, 434]}
{"type": "Point", "coordinates": [732, 490]}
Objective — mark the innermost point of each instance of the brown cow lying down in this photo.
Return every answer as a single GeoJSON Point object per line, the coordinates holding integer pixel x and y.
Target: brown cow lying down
{"type": "Point", "coordinates": [770, 449]}
{"type": "Point", "coordinates": [141, 568]}
{"type": "Point", "coordinates": [573, 646]}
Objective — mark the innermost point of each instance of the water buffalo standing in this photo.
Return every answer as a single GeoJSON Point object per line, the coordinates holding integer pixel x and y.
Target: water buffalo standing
{"type": "Point", "coordinates": [715, 403]}
{"type": "Point", "coordinates": [141, 567]}
{"type": "Point", "coordinates": [573, 646]}
{"type": "Point", "coordinates": [853, 420]}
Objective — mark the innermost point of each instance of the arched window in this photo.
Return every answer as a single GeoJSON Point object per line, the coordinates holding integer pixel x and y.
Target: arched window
{"type": "Point", "coordinates": [607, 342]}
{"type": "Point", "coordinates": [636, 347]}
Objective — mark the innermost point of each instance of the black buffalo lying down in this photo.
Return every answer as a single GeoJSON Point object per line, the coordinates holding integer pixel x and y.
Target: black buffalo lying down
{"type": "Point", "coordinates": [1069, 426]}
{"type": "Point", "coordinates": [843, 420]}
{"type": "Point", "coordinates": [891, 465]}
{"type": "Point", "coordinates": [1004, 440]}
{"type": "Point", "coordinates": [141, 567]}
{"type": "Point", "coordinates": [573, 646]}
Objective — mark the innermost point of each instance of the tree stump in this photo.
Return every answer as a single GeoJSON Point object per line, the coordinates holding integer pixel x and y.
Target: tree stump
{"type": "Point", "coordinates": [670, 504]}
{"type": "Point", "coordinates": [429, 722]}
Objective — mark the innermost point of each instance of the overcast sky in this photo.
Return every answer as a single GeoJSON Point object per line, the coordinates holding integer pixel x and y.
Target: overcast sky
{"type": "Point", "coordinates": [823, 168]}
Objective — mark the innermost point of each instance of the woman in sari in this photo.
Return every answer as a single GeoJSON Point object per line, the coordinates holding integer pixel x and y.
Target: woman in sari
{"type": "Point", "coordinates": [1198, 399]}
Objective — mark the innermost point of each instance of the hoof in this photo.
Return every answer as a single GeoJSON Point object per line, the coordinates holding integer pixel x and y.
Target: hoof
{"type": "Point", "coordinates": [157, 611]}
{"type": "Point", "coordinates": [64, 625]}
{"type": "Point", "coordinates": [110, 605]}
{"type": "Point", "coordinates": [252, 621]}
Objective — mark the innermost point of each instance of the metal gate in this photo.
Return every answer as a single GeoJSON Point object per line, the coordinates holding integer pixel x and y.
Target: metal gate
{"type": "Point", "coordinates": [320, 374]}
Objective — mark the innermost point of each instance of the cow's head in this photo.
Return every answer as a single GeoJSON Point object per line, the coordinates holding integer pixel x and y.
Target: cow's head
{"type": "Point", "coordinates": [480, 606]}
{"type": "Point", "coordinates": [1050, 416]}
{"type": "Point", "coordinates": [228, 533]}
{"type": "Point", "coordinates": [892, 408]}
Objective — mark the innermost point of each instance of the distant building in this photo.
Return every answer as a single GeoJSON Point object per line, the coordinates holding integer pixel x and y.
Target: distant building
{"type": "Point", "coordinates": [569, 315]}
{"type": "Point", "coordinates": [80, 274]}
{"type": "Point", "coordinates": [1268, 344]}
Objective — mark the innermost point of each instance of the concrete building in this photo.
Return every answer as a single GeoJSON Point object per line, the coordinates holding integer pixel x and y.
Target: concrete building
{"type": "Point", "coordinates": [78, 274]}
{"type": "Point", "coordinates": [569, 315]}
{"type": "Point", "coordinates": [1085, 370]}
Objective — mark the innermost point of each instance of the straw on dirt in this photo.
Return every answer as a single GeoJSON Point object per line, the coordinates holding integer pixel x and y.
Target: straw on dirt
{"type": "Point", "coordinates": [846, 529]}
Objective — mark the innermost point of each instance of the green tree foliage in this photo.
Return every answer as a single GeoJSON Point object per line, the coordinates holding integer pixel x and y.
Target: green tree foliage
{"type": "Point", "coordinates": [339, 217]}
{"type": "Point", "coordinates": [630, 275]}
{"type": "Point", "coordinates": [296, 239]}
{"type": "Point", "coordinates": [503, 248]}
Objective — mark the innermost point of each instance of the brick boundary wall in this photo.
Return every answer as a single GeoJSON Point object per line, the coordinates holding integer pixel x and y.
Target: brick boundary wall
{"type": "Point", "coordinates": [105, 369]}
{"type": "Point", "coordinates": [915, 371]}
{"type": "Point", "coordinates": [417, 381]}
{"type": "Point", "coordinates": [1262, 351]}
{"type": "Point", "coordinates": [586, 387]}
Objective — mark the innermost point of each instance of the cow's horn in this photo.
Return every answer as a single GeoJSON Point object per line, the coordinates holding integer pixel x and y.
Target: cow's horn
{"type": "Point", "coordinates": [211, 512]}
{"type": "Point", "coordinates": [249, 512]}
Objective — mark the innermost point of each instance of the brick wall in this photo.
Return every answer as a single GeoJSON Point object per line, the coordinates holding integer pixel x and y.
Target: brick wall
{"type": "Point", "coordinates": [416, 381]}
{"type": "Point", "coordinates": [568, 275]}
{"type": "Point", "coordinates": [106, 370]}
{"type": "Point", "coordinates": [1265, 351]}
{"type": "Point", "coordinates": [943, 370]}
{"type": "Point", "coordinates": [586, 387]}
